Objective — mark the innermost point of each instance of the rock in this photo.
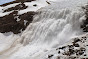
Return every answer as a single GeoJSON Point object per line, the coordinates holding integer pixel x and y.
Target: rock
{"type": "Point", "coordinates": [49, 56]}
{"type": "Point", "coordinates": [17, 1]}
{"type": "Point", "coordinates": [74, 49]}
{"type": "Point", "coordinates": [76, 44]}
{"type": "Point", "coordinates": [24, 1]}
{"type": "Point", "coordinates": [9, 3]}
{"type": "Point", "coordinates": [48, 2]}
{"type": "Point", "coordinates": [76, 40]}
{"type": "Point", "coordinates": [9, 22]}
{"type": "Point", "coordinates": [84, 26]}
{"type": "Point", "coordinates": [13, 22]}
{"type": "Point", "coordinates": [35, 5]}
{"type": "Point", "coordinates": [17, 7]}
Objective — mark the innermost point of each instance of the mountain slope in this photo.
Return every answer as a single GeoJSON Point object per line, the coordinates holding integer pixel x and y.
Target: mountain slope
{"type": "Point", "coordinates": [54, 31]}
{"type": "Point", "coordinates": [17, 16]}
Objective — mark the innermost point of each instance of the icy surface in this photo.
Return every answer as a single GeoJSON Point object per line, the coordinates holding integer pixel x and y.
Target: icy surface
{"type": "Point", "coordinates": [54, 25]}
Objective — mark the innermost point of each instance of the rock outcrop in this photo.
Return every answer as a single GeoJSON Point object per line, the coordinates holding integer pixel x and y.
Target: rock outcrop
{"type": "Point", "coordinates": [85, 22]}
{"type": "Point", "coordinates": [16, 1]}
{"type": "Point", "coordinates": [24, 1]}
{"type": "Point", "coordinates": [13, 22]}
{"type": "Point", "coordinates": [74, 49]}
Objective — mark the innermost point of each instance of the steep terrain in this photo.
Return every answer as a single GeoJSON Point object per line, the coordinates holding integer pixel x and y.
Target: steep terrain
{"type": "Point", "coordinates": [13, 21]}
{"type": "Point", "coordinates": [42, 29]}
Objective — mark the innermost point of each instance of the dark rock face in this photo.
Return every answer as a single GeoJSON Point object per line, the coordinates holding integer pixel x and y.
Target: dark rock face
{"type": "Point", "coordinates": [73, 50]}
{"type": "Point", "coordinates": [17, 1]}
{"type": "Point", "coordinates": [28, 17]}
{"type": "Point", "coordinates": [24, 0]}
{"type": "Point", "coordinates": [85, 22]}
{"type": "Point", "coordinates": [9, 22]}
{"type": "Point", "coordinates": [13, 22]}
{"type": "Point", "coordinates": [17, 7]}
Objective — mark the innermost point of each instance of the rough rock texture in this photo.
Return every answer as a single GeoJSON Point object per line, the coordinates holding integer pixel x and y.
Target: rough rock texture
{"type": "Point", "coordinates": [17, 7]}
{"type": "Point", "coordinates": [13, 22]}
{"type": "Point", "coordinates": [16, 1]}
{"type": "Point", "coordinates": [74, 49]}
{"type": "Point", "coordinates": [24, 0]}
{"type": "Point", "coordinates": [85, 22]}
{"type": "Point", "coordinates": [77, 48]}
{"type": "Point", "coordinates": [9, 3]}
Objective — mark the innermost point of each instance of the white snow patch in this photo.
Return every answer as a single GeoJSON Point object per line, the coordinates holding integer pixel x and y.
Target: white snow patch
{"type": "Point", "coordinates": [39, 4]}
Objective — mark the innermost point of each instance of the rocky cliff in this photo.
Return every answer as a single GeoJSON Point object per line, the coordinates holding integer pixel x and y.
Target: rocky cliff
{"type": "Point", "coordinates": [13, 22]}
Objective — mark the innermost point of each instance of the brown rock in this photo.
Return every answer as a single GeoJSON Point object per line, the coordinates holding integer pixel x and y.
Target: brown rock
{"type": "Point", "coordinates": [17, 7]}
{"type": "Point", "coordinates": [9, 22]}
{"type": "Point", "coordinates": [24, 1]}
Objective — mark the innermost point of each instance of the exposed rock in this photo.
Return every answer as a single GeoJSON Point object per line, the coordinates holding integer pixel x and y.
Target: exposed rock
{"type": "Point", "coordinates": [24, 1]}
{"type": "Point", "coordinates": [9, 3]}
{"type": "Point", "coordinates": [85, 22]}
{"type": "Point", "coordinates": [13, 22]}
{"type": "Point", "coordinates": [49, 56]}
{"type": "Point", "coordinates": [17, 7]}
{"type": "Point", "coordinates": [74, 49]}
{"type": "Point", "coordinates": [17, 1]}
{"type": "Point", "coordinates": [48, 2]}
{"type": "Point", "coordinates": [9, 22]}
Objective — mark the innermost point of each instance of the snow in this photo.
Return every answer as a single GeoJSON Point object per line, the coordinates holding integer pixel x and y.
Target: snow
{"type": "Point", "coordinates": [82, 44]}
{"type": "Point", "coordinates": [9, 6]}
{"type": "Point", "coordinates": [6, 13]}
{"type": "Point", "coordinates": [6, 7]}
{"type": "Point", "coordinates": [17, 18]}
{"type": "Point", "coordinates": [25, 22]}
{"type": "Point", "coordinates": [55, 25]}
{"type": "Point", "coordinates": [6, 41]}
{"type": "Point", "coordinates": [39, 4]}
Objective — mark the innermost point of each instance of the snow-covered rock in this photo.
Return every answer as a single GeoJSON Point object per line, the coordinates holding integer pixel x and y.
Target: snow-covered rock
{"type": "Point", "coordinates": [54, 31]}
{"type": "Point", "coordinates": [12, 16]}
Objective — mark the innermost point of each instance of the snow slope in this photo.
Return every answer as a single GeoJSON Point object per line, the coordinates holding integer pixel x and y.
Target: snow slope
{"type": "Point", "coordinates": [39, 3]}
{"type": "Point", "coordinates": [54, 25]}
